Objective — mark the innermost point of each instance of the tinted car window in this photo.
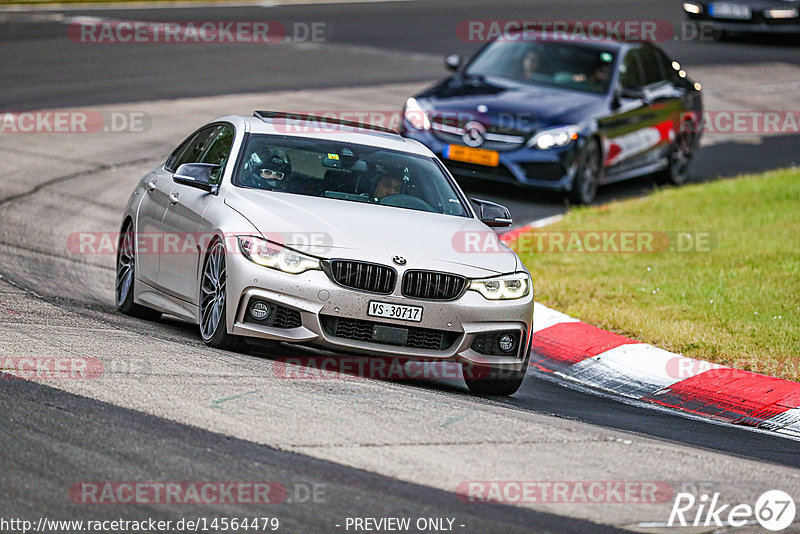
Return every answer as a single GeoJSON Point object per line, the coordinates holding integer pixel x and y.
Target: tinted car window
{"type": "Point", "coordinates": [219, 149]}
{"type": "Point", "coordinates": [671, 73]}
{"type": "Point", "coordinates": [192, 149]}
{"type": "Point", "coordinates": [347, 172]}
{"type": "Point", "coordinates": [630, 76]}
{"type": "Point", "coordinates": [651, 66]}
{"type": "Point", "coordinates": [557, 64]}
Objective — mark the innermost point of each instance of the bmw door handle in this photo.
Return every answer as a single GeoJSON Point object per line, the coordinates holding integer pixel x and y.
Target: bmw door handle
{"type": "Point", "coordinates": [151, 185]}
{"type": "Point", "coordinates": [173, 198]}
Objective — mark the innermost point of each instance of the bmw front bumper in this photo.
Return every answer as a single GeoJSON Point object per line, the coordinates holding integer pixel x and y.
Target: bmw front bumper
{"type": "Point", "coordinates": [313, 303]}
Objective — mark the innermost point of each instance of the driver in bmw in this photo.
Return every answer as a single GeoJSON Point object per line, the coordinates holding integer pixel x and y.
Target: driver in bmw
{"type": "Point", "coordinates": [390, 183]}
{"type": "Point", "coordinates": [268, 167]}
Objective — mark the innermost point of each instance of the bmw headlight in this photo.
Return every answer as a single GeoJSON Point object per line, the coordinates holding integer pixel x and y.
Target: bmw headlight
{"type": "Point", "coordinates": [275, 256]}
{"type": "Point", "coordinates": [554, 137]}
{"type": "Point", "coordinates": [506, 287]}
{"type": "Point", "coordinates": [416, 116]}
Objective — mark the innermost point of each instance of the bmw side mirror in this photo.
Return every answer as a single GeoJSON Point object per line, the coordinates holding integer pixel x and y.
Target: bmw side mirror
{"type": "Point", "coordinates": [493, 214]}
{"type": "Point", "coordinates": [199, 175]}
{"type": "Point", "coordinates": [452, 62]}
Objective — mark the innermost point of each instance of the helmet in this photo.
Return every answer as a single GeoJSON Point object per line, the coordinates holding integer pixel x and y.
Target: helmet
{"type": "Point", "coordinates": [268, 167]}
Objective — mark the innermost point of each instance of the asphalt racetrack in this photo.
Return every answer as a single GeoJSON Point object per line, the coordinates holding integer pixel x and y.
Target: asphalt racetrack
{"type": "Point", "coordinates": [170, 409]}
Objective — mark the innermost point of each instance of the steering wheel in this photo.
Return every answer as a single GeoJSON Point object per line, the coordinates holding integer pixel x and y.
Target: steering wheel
{"type": "Point", "coordinates": [406, 201]}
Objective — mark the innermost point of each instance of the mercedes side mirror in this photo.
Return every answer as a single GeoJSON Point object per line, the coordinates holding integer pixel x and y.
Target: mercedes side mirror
{"type": "Point", "coordinates": [452, 62]}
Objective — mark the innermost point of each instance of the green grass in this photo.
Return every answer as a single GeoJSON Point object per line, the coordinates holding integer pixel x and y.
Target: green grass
{"type": "Point", "coordinates": [736, 303]}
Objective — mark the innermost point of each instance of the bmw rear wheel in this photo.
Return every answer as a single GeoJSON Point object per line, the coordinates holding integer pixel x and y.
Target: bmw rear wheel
{"type": "Point", "coordinates": [126, 277]}
{"type": "Point", "coordinates": [213, 298]}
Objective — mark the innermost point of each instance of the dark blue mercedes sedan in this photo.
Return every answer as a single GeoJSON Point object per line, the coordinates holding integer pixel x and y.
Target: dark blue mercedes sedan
{"type": "Point", "coordinates": [562, 115]}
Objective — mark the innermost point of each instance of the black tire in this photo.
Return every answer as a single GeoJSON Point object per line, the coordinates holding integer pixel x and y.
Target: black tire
{"type": "Point", "coordinates": [213, 300]}
{"type": "Point", "coordinates": [495, 382]}
{"type": "Point", "coordinates": [588, 174]}
{"type": "Point", "coordinates": [126, 278]}
{"type": "Point", "coordinates": [680, 157]}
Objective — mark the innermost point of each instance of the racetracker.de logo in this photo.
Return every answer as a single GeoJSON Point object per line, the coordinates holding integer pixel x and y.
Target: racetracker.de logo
{"type": "Point", "coordinates": [101, 31]}
{"type": "Point", "coordinates": [338, 368]}
{"type": "Point", "coordinates": [177, 493]}
{"type": "Point", "coordinates": [745, 122]}
{"type": "Point", "coordinates": [74, 122]}
{"type": "Point", "coordinates": [482, 31]}
{"type": "Point", "coordinates": [585, 241]}
{"type": "Point", "coordinates": [51, 367]}
{"type": "Point", "coordinates": [565, 492]}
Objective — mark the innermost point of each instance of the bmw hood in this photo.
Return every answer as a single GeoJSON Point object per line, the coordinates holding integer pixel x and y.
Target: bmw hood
{"type": "Point", "coordinates": [330, 228]}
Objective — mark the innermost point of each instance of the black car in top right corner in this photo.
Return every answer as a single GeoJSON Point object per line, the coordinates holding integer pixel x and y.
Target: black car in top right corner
{"type": "Point", "coordinates": [747, 16]}
{"type": "Point", "coordinates": [563, 115]}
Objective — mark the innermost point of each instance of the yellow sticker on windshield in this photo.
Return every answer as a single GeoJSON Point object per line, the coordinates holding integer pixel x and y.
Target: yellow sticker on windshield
{"type": "Point", "coordinates": [333, 156]}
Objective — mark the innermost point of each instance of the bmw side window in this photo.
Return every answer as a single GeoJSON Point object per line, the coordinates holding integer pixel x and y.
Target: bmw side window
{"type": "Point", "coordinates": [192, 149]}
{"type": "Point", "coordinates": [630, 76]}
{"type": "Point", "coordinates": [652, 67]}
{"type": "Point", "coordinates": [176, 154]}
{"type": "Point", "coordinates": [218, 150]}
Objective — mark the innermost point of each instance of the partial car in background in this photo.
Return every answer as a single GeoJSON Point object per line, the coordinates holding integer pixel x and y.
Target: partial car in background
{"type": "Point", "coordinates": [560, 115]}
{"type": "Point", "coordinates": [282, 229]}
{"type": "Point", "coordinates": [746, 16]}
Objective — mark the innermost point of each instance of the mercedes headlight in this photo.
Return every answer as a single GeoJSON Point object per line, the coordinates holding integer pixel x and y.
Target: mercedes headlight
{"type": "Point", "coordinates": [790, 13]}
{"type": "Point", "coordinates": [416, 116]}
{"type": "Point", "coordinates": [275, 256]}
{"type": "Point", "coordinates": [693, 8]}
{"type": "Point", "coordinates": [554, 137]}
{"type": "Point", "coordinates": [506, 287]}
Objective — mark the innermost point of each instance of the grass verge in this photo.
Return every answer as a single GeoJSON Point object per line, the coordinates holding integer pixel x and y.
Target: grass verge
{"type": "Point", "coordinates": [722, 282]}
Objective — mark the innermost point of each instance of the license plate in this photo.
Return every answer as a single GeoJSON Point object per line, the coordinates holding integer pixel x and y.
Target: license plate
{"type": "Point", "coordinates": [395, 311]}
{"type": "Point", "coordinates": [480, 156]}
{"type": "Point", "coordinates": [729, 11]}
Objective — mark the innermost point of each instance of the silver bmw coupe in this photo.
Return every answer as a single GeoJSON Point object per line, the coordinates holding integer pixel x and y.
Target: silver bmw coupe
{"type": "Point", "coordinates": [291, 228]}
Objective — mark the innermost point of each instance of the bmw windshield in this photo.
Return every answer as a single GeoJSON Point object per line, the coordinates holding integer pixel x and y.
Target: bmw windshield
{"type": "Point", "coordinates": [554, 64]}
{"type": "Point", "coordinates": [350, 172]}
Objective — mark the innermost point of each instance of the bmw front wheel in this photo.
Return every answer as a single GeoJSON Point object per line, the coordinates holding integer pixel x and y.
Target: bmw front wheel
{"type": "Point", "coordinates": [213, 297]}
